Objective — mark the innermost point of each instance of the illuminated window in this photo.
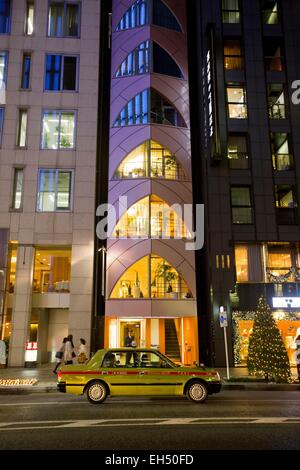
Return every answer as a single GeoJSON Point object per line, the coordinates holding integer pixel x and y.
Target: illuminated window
{"type": "Point", "coordinates": [147, 107]}
{"type": "Point", "coordinates": [150, 160]}
{"type": "Point", "coordinates": [231, 11]}
{"type": "Point", "coordinates": [52, 270]}
{"type": "Point", "coordinates": [18, 189]}
{"type": "Point", "coordinates": [236, 101]}
{"type": "Point", "coordinates": [26, 71]}
{"type": "Point", "coordinates": [233, 58]}
{"type": "Point", "coordinates": [286, 204]}
{"type": "Point", "coordinates": [3, 75]}
{"type": "Point", "coordinates": [151, 217]}
{"type": "Point", "coordinates": [22, 128]}
{"type": "Point", "coordinates": [63, 19]}
{"type": "Point", "coordinates": [58, 130]}
{"type": "Point", "coordinates": [282, 158]}
{"type": "Point", "coordinates": [29, 20]}
{"type": "Point", "coordinates": [270, 14]}
{"type": "Point", "coordinates": [153, 277]}
{"type": "Point", "coordinates": [241, 263]}
{"type": "Point", "coordinates": [276, 101]}
{"type": "Point", "coordinates": [54, 190]}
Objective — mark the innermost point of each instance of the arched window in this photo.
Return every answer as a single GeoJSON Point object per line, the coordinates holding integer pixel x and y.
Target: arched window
{"type": "Point", "coordinates": [147, 107]}
{"type": "Point", "coordinates": [137, 62]}
{"type": "Point", "coordinates": [139, 15]}
{"type": "Point", "coordinates": [149, 57]}
{"type": "Point", "coordinates": [151, 277]}
{"type": "Point", "coordinates": [162, 16]}
{"type": "Point", "coordinates": [154, 218]}
{"type": "Point", "coordinates": [135, 16]}
{"type": "Point", "coordinates": [150, 160]}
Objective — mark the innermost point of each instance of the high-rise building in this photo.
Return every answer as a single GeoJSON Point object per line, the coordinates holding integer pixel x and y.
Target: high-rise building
{"type": "Point", "coordinates": [49, 65]}
{"type": "Point", "coordinates": [246, 161]}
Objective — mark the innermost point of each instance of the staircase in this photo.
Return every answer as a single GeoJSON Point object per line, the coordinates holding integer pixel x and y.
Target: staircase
{"type": "Point", "coordinates": [172, 349]}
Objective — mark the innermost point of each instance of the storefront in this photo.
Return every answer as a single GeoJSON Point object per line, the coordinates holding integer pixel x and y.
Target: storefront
{"type": "Point", "coordinates": [288, 323]}
{"type": "Point", "coordinates": [176, 337]}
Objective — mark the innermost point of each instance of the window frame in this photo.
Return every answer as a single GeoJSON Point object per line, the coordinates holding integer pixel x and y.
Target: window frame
{"type": "Point", "coordinates": [71, 194]}
{"type": "Point", "coordinates": [19, 126]}
{"type": "Point", "coordinates": [65, 3]}
{"type": "Point", "coordinates": [245, 154]}
{"type": "Point", "coordinates": [5, 53]}
{"type": "Point", "coordinates": [9, 22]}
{"type": "Point", "coordinates": [275, 154]}
{"type": "Point", "coordinates": [238, 85]}
{"type": "Point", "coordinates": [26, 54]}
{"type": "Point", "coordinates": [239, 11]}
{"type": "Point", "coordinates": [234, 206]}
{"type": "Point", "coordinates": [241, 57]}
{"type": "Point", "coordinates": [285, 104]}
{"type": "Point", "coordinates": [60, 111]}
{"type": "Point", "coordinates": [27, 7]}
{"type": "Point", "coordinates": [278, 13]}
{"type": "Point", "coordinates": [16, 169]}
{"type": "Point", "coordinates": [2, 117]}
{"type": "Point", "coordinates": [62, 68]}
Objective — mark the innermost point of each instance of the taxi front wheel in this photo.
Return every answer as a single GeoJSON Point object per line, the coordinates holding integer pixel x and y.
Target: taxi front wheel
{"type": "Point", "coordinates": [196, 392]}
{"type": "Point", "coordinates": [96, 392]}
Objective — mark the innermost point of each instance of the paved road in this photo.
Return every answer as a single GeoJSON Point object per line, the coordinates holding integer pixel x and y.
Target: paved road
{"type": "Point", "coordinates": [231, 420]}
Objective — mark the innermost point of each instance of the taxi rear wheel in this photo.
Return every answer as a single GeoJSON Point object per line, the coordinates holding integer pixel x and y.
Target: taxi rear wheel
{"type": "Point", "coordinates": [96, 392]}
{"type": "Point", "coordinates": [197, 392]}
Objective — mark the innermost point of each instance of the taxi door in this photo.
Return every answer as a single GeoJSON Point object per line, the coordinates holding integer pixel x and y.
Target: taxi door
{"type": "Point", "coordinates": [156, 376]}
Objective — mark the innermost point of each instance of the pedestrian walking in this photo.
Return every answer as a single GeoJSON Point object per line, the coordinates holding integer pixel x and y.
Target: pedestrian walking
{"type": "Point", "coordinates": [82, 352]}
{"type": "Point", "coordinates": [60, 355]}
{"type": "Point", "coordinates": [69, 353]}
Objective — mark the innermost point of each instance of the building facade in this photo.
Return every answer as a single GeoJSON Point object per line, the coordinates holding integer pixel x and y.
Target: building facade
{"type": "Point", "coordinates": [49, 53]}
{"type": "Point", "coordinates": [150, 279]}
{"type": "Point", "coordinates": [249, 166]}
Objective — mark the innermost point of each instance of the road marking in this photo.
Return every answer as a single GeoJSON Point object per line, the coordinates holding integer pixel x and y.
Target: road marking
{"type": "Point", "coordinates": [122, 423]}
{"type": "Point", "coordinates": [109, 401]}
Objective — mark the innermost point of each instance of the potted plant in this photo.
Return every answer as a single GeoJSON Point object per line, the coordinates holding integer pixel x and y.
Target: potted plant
{"type": "Point", "coordinates": [166, 272]}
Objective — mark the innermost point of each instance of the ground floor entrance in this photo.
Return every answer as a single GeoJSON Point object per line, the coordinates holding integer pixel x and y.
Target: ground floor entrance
{"type": "Point", "coordinates": [175, 337]}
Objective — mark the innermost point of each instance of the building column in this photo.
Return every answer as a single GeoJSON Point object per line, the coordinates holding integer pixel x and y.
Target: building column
{"type": "Point", "coordinates": [21, 312]}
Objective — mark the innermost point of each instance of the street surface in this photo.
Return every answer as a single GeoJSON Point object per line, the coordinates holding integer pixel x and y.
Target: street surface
{"type": "Point", "coordinates": [232, 420]}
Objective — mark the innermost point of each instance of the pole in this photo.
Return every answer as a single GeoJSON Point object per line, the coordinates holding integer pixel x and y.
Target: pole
{"type": "Point", "coordinates": [226, 352]}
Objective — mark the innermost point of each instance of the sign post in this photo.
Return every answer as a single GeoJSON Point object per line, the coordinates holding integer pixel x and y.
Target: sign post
{"type": "Point", "coordinates": [223, 324]}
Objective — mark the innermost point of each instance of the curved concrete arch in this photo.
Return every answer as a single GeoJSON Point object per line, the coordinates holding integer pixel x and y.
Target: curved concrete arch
{"type": "Point", "coordinates": [124, 140]}
{"type": "Point", "coordinates": [173, 257]}
{"type": "Point", "coordinates": [139, 86]}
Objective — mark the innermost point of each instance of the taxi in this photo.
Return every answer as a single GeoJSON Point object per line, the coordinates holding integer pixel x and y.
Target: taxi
{"type": "Point", "coordinates": [136, 372]}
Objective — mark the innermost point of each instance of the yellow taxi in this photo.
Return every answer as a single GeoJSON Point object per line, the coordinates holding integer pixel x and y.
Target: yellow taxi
{"type": "Point", "coordinates": [136, 372]}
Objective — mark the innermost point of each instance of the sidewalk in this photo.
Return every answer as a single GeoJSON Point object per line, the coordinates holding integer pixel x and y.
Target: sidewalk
{"type": "Point", "coordinates": [45, 381]}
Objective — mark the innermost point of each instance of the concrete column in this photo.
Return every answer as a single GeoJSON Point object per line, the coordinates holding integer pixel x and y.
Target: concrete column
{"type": "Point", "coordinates": [81, 293]}
{"type": "Point", "coordinates": [21, 312]}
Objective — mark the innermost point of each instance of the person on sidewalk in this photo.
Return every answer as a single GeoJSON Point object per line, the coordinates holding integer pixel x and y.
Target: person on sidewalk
{"type": "Point", "coordinates": [69, 353]}
{"type": "Point", "coordinates": [82, 352]}
{"type": "Point", "coordinates": [2, 354]}
{"type": "Point", "coordinates": [297, 354]}
{"type": "Point", "coordinates": [59, 355]}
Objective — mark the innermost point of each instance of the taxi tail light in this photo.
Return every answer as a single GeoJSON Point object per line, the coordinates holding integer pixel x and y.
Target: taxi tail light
{"type": "Point", "coordinates": [59, 375]}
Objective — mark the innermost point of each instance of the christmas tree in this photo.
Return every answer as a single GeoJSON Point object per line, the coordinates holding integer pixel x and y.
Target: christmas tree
{"type": "Point", "coordinates": [267, 354]}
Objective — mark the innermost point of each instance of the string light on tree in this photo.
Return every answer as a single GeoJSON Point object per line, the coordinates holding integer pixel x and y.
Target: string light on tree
{"type": "Point", "coordinates": [267, 354]}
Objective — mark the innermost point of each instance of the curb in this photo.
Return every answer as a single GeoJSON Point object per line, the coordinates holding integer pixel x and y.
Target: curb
{"type": "Point", "coordinates": [27, 390]}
